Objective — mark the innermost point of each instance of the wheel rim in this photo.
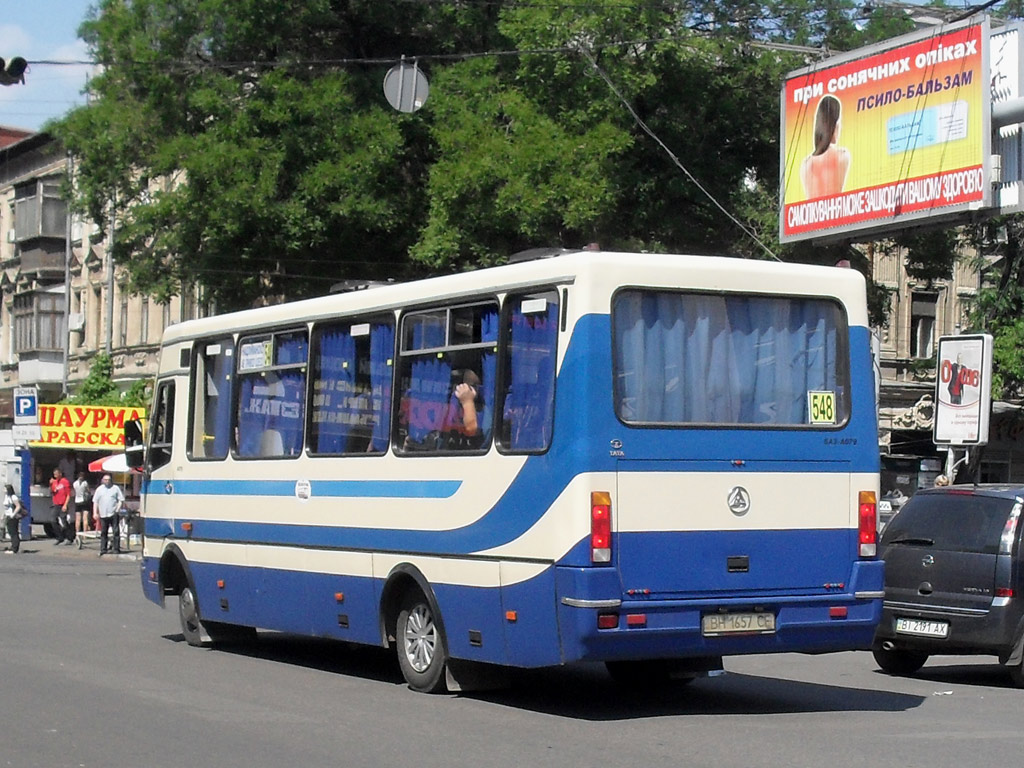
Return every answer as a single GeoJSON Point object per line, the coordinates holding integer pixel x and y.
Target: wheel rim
{"type": "Point", "coordinates": [420, 638]}
{"type": "Point", "coordinates": [189, 614]}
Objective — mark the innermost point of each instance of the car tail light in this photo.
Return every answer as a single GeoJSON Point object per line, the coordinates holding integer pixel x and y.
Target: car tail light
{"type": "Point", "coordinates": [600, 527]}
{"type": "Point", "coordinates": [1004, 592]}
{"type": "Point", "coordinates": [867, 526]}
{"type": "Point", "coordinates": [1009, 531]}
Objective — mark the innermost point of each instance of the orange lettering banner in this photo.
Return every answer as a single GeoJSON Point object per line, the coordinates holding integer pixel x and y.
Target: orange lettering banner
{"type": "Point", "coordinates": [85, 427]}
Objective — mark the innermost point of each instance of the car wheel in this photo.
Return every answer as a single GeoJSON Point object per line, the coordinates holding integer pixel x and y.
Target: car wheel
{"type": "Point", "coordinates": [420, 646]}
{"type": "Point", "coordinates": [188, 615]}
{"type": "Point", "coordinates": [229, 634]}
{"type": "Point", "coordinates": [899, 662]}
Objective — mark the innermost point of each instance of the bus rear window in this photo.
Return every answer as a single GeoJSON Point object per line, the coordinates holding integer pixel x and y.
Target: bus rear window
{"type": "Point", "coordinates": [693, 358]}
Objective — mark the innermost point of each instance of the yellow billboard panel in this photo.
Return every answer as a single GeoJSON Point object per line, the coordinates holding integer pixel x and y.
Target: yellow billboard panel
{"type": "Point", "coordinates": [895, 132]}
{"type": "Point", "coordinates": [84, 427]}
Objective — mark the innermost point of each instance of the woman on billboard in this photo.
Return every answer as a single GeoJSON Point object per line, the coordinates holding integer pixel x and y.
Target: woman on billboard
{"type": "Point", "coordinates": [823, 172]}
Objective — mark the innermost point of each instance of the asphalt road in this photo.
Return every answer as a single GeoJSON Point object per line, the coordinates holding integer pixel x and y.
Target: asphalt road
{"type": "Point", "coordinates": [93, 675]}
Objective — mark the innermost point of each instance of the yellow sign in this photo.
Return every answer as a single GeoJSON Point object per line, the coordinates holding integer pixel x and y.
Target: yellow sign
{"type": "Point", "coordinates": [822, 407]}
{"type": "Point", "coordinates": [86, 427]}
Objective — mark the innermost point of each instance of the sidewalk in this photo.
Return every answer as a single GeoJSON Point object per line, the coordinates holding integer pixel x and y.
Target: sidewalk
{"type": "Point", "coordinates": [43, 545]}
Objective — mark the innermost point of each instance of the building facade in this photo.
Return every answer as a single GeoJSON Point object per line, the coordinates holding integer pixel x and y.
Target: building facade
{"type": "Point", "coordinates": [62, 299]}
{"type": "Point", "coordinates": [920, 312]}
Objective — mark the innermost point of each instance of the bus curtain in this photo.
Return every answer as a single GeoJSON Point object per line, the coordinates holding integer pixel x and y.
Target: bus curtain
{"type": "Point", "coordinates": [684, 358]}
{"type": "Point", "coordinates": [530, 400]}
{"type": "Point", "coordinates": [347, 412]}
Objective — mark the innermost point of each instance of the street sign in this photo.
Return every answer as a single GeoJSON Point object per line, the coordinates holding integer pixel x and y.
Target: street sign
{"type": "Point", "coordinates": [26, 432]}
{"type": "Point", "coordinates": [26, 405]}
{"type": "Point", "coordinates": [963, 390]}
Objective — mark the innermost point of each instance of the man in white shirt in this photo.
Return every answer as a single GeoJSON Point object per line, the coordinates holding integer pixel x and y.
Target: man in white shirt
{"type": "Point", "coordinates": [107, 501]}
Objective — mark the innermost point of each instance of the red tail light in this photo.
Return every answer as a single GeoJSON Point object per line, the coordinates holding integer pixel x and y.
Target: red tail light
{"type": "Point", "coordinates": [600, 527]}
{"type": "Point", "coordinates": [1004, 592]}
{"type": "Point", "coordinates": [868, 525]}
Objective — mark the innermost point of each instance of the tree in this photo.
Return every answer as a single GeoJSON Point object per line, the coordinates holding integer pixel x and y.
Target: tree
{"type": "Point", "coordinates": [98, 388]}
{"type": "Point", "coordinates": [245, 145]}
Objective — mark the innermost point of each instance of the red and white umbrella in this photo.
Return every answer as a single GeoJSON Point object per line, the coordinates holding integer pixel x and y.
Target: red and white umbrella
{"type": "Point", "coordinates": [113, 463]}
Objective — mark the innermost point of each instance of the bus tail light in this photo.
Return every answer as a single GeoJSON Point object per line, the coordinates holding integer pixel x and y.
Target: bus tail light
{"type": "Point", "coordinates": [600, 527]}
{"type": "Point", "coordinates": [868, 525]}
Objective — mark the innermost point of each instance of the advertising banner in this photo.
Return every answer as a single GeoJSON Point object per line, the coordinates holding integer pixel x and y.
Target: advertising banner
{"type": "Point", "coordinates": [963, 390]}
{"type": "Point", "coordinates": [895, 132]}
{"type": "Point", "coordinates": [85, 427]}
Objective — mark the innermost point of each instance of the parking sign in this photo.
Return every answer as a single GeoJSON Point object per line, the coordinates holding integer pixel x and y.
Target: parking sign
{"type": "Point", "coordinates": [26, 405]}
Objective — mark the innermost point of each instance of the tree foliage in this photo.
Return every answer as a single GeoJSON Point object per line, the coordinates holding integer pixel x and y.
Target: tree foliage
{"type": "Point", "coordinates": [99, 388]}
{"type": "Point", "coordinates": [245, 145]}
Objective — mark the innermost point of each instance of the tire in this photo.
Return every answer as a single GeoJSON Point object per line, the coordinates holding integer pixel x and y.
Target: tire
{"type": "Point", "coordinates": [420, 644]}
{"type": "Point", "coordinates": [899, 662]}
{"type": "Point", "coordinates": [649, 673]}
{"type": "Point", "coordinates": [229, 634]}
{"type": "Point", "coordinates": [188, 615]}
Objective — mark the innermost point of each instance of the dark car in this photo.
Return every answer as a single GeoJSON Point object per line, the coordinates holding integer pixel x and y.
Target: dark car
{"type": "Point", "coordinates": [954, 578]}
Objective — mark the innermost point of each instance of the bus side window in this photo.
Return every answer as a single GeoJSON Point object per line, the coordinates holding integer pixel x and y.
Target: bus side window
{"type": "Point", "coordinates": [211, 407]}
{"type": "Point", "coordinates": [528, 386]}
{"type": "Point", "coordinates": [351, 366]}
{"type": "Point", "coordinates": [446, 374]}
{"type": "Point", "coordinates": [162, 433]}
{"type": "Point", "coordinates": [271, 394]}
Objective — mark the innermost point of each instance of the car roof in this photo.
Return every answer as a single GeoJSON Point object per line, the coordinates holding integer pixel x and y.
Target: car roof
{"type": "Point", "coordinates": [999, 490]}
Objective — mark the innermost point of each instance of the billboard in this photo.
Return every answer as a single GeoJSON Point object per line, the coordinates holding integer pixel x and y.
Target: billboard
{"type": "Point", "coordinates": [85, 427]}
{"type": "Point", "coordinates": [963, 390]}
{"type": "Point", "coordinates": [887, 134]}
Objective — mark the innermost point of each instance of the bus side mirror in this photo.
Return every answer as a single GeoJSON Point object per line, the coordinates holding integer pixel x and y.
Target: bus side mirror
{"type": "Point", "coordinates": [134, 445]}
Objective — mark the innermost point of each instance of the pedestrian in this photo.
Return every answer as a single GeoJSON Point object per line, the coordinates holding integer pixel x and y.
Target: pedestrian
{"type": "Point", "coordinates": [83, 503]}
{"type": "Point", "coordinates": [13, 512]}
{"type": "Point", "coordinates": [107, 501]}
{"type": "Point", "coordinates": [60, 497]}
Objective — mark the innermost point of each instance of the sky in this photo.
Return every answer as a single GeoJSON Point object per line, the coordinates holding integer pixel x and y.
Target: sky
{"type": "Point", "coordinates": [43, 30]}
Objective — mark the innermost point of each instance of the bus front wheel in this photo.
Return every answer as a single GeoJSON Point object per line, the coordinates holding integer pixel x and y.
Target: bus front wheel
{"type": "Point", "coordinates": [420, 645]}
{"type": "Point", "coordinates": [188, 614]}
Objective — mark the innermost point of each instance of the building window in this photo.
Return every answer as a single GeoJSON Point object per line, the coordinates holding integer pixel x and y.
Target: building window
{"type": "Point", "coordinates": [123, 336]}
{"type": "Point", "coordinates": [922, 324]}
{"type": "Point", "coordinates": [38, 321]}
{"type": "Point", "coordinates": [39, 210]}
{"type": "Point", "coordinates": [144, 322]}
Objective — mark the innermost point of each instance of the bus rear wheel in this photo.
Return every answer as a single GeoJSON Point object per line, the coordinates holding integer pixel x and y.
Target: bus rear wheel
{"type": "Point", "coordinates": [420, 644]}
{"type": "Point", "coordinates": [188, 615]}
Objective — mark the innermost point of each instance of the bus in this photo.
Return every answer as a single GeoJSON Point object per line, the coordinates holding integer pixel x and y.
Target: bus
{"type": "Point", "coordinates": [650, 461]}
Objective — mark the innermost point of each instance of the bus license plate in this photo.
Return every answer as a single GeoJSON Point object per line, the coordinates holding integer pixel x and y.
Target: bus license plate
{"type": "Point", "coordinates": [922, 627]}
{"type": "Point", "coordinates": [738, 624]}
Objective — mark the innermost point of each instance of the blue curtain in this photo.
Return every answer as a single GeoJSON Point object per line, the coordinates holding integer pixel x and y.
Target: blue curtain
{"type": "Point", "coordinates": [529, 401]}
{"type": "Point", "coordinates": [427, 397]}
{"type": "Point", "coordinates": [722, 360]}
{"type": "Point", "coordinates": [333, 389]}
{"type": "Point", "coordinates": [382, 350]}
{"type": "Point", "coordinates": [488, 366]}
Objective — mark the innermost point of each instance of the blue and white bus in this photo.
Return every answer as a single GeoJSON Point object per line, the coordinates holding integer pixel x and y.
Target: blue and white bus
{"type": "Point", "coordinates": [651, 461]}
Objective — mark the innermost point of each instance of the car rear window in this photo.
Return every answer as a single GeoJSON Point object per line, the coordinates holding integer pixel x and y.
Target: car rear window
{"type": "Point", "coordinates": [951, 521]}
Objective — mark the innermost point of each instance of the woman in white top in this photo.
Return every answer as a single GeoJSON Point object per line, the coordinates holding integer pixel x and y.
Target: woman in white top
{"type": "Point", "coordinates": [83, 503]}
{"type": "Point", "coordinates": [13, 513]}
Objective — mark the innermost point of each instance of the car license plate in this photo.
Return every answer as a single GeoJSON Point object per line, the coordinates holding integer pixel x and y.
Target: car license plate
{"type": "Point", "coordinates": [922, 627]}
{"type": "Point", "coordinates": [738, 624]}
